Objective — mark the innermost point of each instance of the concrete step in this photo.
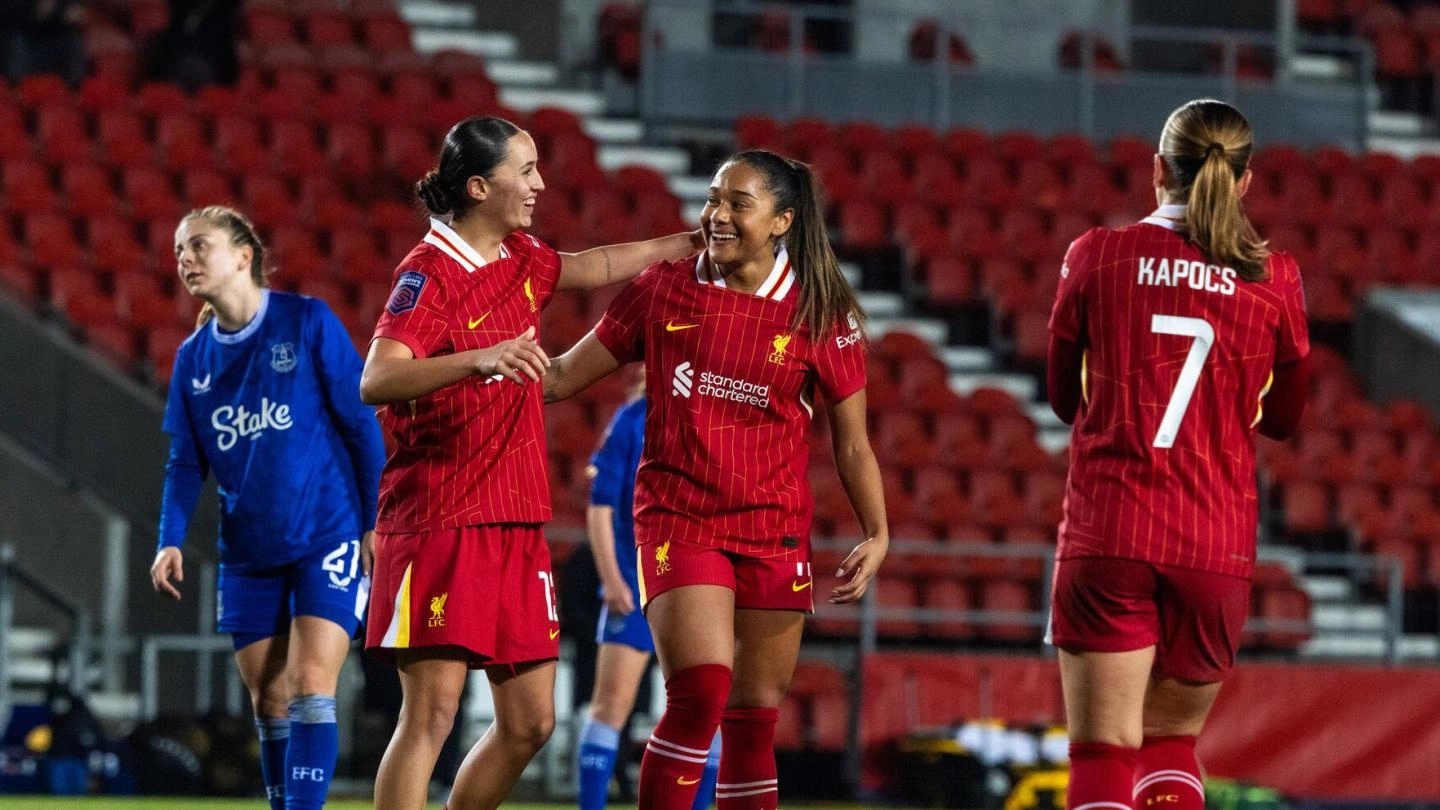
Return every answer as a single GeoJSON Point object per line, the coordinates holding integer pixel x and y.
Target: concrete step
{"type": "Point", "coordinates": [1405, 147]}
{"type": "Point", "coordinates": [884, 309]}
{"type": "Point", "coordinates": [1319, 67]}
{"type": "Point", "coordinates": [690, 188]}
{"type": "Point", "coordinates": [31, 641]}
{"type": "Point", "coordinates": [967, 358]}
{"type": "Point", "coordinates": [886, 316]}
{"type": "Point", "coordinates": [432, 14]}
{"type": "Point", "coordinates": [1328, 589]}
{"type": "Point", "coordinates": [1399, 124]}
{"type": "Point", "coordinates": [485, 44]}
{"type": "Point", "coordinates": [583, 103]}
{"type": "Point", "coordinates": [510, 73]}
{"type": "Point", "coordinates": [1412, 648]}
{"type": "Point", "coordinates": [615, 130]}
{"type": "Point", "coordinates": [1021, 386]}
{"type": "Point", "coordinates": [665, 159]}
{"type": "Point", "coordinates": [1348, 617]}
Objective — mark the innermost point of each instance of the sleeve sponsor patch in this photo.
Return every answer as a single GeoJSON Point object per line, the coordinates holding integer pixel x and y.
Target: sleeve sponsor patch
{"type": "Point", "coordinates": [406, 293]}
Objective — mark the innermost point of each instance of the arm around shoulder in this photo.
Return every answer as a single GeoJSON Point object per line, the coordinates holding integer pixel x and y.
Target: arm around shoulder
{"type": "Point", "coordinates": [599, 266]}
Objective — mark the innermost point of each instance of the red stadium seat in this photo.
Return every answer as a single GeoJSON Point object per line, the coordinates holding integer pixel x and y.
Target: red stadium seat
{"type": "Point", "coordinates": [88, 190]}
{"type": "Point", "coordinates": [53, 245]}
{"type": "Point", "coordinates": [1006, 597]}
{"type": "Point", "coordinates": [383, 33]}
{"type": "Point", "coordinates": [952, 595]}
{"type": "Point", "coordinates": [26, 186]}
{"type": "Point", "coordinates": [181, 140]}
{"type": "Point", "coordinates": [113, 242]}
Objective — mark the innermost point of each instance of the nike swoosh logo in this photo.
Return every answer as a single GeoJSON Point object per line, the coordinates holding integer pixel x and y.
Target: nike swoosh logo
{"type": "Point", "coordinates": [676, 327]}
{"type": "Point", "coordinates": [799, 586]}
{"type": "Point", "coordinates": [476, 322]}
{"type": "Point", "coordinates": [687, 782]}
{"type": "Point", "coordinates": [554, 633]}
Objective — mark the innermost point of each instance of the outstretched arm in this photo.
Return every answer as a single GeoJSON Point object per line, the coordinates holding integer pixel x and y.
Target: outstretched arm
{"type": "Point", "coordinates": [860, 474]}
{"type": "Point", "coordinates": [394, 374]}
{"type": "Point", "coordinates": [599, 266]}
{"type": "Point", "coordinates": [574, 371]}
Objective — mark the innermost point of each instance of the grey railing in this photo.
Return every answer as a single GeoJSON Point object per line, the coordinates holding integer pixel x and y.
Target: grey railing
{"type": "Point", "coordinates": [14, 576]}
{"type": "Point", "coordinates": [686, 79]}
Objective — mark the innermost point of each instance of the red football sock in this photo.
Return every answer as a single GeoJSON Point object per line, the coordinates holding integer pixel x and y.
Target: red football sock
{"type": "Point", "coordinates": [1102, 777]}
{"type": "Point", "coordinates": [747, 760]}
{"type": "Point", "coordinates": [1168, 769]}
{"type": "Point", "coordinates": [674, 758]}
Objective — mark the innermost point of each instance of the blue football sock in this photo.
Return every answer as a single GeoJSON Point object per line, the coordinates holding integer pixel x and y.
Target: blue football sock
{"type": "Point", "coordinates": [314, 745]}
{"type": "Point", "coordinates": [599, 745]}
{"type": "Point", "coordinates": [274, 742]}
{"type": "Point", "coordinates": [705, 792]}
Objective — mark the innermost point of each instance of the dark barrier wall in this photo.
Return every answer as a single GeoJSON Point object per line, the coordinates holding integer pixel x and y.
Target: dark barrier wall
{"type": "Point", "coordinates": [99, 432]}
{"type": "Point", "coordinates": [1311, 731]}
{"type": "Point", "coordinates": [1397, 346]}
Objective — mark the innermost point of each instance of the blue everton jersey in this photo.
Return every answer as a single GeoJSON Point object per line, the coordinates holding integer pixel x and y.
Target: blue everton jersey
{"type": "Point", "coordinates": [274, 411]}
{"type": "Point", "coordinates": [614, 483]}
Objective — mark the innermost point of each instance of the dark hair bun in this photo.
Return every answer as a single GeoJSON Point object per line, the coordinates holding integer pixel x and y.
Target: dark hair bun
{"type": "Point", "coordinates": [434, 194]}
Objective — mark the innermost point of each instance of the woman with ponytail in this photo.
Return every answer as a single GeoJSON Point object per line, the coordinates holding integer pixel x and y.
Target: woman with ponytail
{"type": "Point", "coordinates": [736, 343]}
{"type": "Point", "coordinates": [1173, 341]}
{"type": "Point", "coordinates": [265, 394]}
{"type": "Point", "coordinates": [462, 571]}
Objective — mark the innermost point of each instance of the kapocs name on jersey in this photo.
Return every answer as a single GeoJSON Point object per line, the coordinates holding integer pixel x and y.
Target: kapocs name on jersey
{"type": "Point", "coordinates": [233, 423]}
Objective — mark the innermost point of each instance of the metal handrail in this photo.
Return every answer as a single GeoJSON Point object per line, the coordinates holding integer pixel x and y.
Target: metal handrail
{"type": "Point", "coordinates": [78, 645]}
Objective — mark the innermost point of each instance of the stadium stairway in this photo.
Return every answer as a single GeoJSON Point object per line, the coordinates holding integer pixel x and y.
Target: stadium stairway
{"type": "Point", "coordinates": [1337, 611]}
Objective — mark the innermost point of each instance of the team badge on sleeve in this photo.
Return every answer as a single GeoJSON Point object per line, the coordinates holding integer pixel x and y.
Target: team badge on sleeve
{"type": "Point", "coordinates": [407, 292]}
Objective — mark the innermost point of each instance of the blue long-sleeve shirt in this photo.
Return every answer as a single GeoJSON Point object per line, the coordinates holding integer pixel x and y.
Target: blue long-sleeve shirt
{"type": "Point", "coordinates": [274, 412]}
{"type": "Point", "coordinates": [615, 464]}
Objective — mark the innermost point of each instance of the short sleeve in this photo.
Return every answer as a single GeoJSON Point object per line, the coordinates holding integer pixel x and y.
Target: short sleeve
{"type": "Point", "coordinates": [609, 462]}
{"type": "Point", "coordinates": [542, 263]}
{"type": "Point", "coordinates": [622, 327]}
{"type": "Point", "coordinates": [417, 313]}
{"type": "Point", "coordinates": [1067, 317]}
{"type": "Point", "coordinates": [840, 360]}
{"type": "Point", "coordinates": [1293, 338]}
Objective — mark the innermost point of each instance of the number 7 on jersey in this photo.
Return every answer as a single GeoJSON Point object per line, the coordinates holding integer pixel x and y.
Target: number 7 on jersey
{"type": "Point", "coordinates": [1204, 335]}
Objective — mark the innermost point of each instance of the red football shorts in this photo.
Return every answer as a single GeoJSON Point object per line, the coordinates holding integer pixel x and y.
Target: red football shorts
{"type": "Point", "coordinates": [781, 582]}
{"type": "Point", "coordinates": [1192, 618]}
{"type": "Point", "coordinates": [485, 589]}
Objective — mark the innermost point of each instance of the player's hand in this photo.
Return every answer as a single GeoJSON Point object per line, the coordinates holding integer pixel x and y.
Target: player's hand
{"type": "Point", "coordinates": [858, 569]}
{"type": "Point", "coordinates": [168, 563]}
{"type": "Point", "coordinates": [367, 552]}
{"type": "Point", "coordinates": [516, 359]}
{"type": "Point", "coordinates": [618, 599]}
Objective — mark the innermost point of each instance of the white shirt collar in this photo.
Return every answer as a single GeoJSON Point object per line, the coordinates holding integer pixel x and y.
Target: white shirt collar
{"type": "Point", "coordinates": [1166, 215]}
{"type": "Point", "coordinates": [776, 286]}
{"type": "Point", "coordinates": [444, 237]}
{"type": "Point", "coordinates": [231, 338]}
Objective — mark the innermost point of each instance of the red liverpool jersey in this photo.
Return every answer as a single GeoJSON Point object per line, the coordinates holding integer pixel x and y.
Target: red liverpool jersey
{"type": "Point", "coordinates": [731, 390]}
{"type": "Point", "coordinates": [1178, 355]}
{"type": "Point", "coordinates": [472, 452]}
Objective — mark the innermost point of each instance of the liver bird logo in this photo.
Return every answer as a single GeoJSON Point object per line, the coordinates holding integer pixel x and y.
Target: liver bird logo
{"type": "Point", "coordinates": [662, 559]}
{"type": "Point", "coordinates": [437, 609]}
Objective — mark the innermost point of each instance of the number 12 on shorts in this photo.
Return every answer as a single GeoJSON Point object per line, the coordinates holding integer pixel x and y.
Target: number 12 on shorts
{"type": "Point", "coordinates": [1204, 335]}
{"type": "Point", "coordinates": [549, 580]}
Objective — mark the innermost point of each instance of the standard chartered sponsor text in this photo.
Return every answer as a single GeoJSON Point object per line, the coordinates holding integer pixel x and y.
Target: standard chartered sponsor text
{"type": "Point", "coordinates": [733, 389]}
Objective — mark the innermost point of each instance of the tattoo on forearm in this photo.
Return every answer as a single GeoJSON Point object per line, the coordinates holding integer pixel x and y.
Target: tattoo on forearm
{"type": "Point", "coordinates": [608, 273]}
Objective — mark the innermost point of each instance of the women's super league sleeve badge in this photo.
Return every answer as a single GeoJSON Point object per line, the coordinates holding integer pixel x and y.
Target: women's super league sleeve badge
{"type": "Point", "coordinates": [406, 293]}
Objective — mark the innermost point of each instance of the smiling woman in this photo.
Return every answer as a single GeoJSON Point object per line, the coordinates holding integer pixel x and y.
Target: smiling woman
{"type": "Point", "coordinates": [465, 493]}
{"type": "Point", "coordinates": [736, 344]}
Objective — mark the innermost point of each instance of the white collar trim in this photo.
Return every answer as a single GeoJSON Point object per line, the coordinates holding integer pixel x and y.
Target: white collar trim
{"type": "Point", "coordinates": [1166, 215]}
{"type": "Point", "coordinates": [231, 338]}
{"type": "Point", "coordinates": [775, 287]}
{"type": "Point", "coordinates": [449, 242]}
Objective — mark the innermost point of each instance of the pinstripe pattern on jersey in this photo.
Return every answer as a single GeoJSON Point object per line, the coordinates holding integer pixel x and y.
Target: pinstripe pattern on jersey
{"type": "Point", "coordinates": [1193, 505]}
